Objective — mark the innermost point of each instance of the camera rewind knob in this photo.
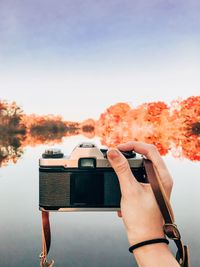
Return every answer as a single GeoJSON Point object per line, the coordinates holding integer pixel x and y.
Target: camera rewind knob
{"type": "Point", "coordinates": [52, 153]}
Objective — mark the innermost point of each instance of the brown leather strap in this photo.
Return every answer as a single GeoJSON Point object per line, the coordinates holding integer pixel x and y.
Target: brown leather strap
{"type": "Point", "coordinates": [46, 240]}
{"type": "Point", "coordinates": [170, 228]}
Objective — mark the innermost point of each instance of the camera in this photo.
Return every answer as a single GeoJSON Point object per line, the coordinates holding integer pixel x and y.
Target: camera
{"type": "Point", "coordinates": [84, 181]}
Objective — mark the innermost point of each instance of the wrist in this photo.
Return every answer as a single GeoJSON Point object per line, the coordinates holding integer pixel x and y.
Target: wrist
{"type": "Point", "coordinates": [144, 236]}
{"type": "Point", "coordinates": [155, 255]}
{"type": "Point", "coordinates": [148, 242]}
{"type": "Point", "coordinates": [151, 249]}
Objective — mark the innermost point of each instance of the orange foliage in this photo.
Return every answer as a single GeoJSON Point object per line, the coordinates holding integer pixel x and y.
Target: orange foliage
{"type": "Point", "coordinates": [174, 128]}
{"type": "Point", "coordinates": [48, 129]}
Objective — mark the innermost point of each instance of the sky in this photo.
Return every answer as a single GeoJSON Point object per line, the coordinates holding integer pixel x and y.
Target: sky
{"type": "Point", "coordinates": [76, 58]}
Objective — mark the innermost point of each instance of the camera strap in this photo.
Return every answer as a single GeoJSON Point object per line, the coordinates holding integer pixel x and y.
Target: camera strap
{"type": "Point", "coordinates": [46, 240]}
{"type": "Point", "coordinates": [170, 228]}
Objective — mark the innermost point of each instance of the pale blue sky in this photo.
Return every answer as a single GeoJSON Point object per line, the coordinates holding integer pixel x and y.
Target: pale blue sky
{"type": "Point", "coordinates": [75, 58]}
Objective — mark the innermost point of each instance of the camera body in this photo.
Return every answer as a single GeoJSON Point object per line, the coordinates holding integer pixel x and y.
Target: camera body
{"type": "Point", "coordinates": [84, 181]}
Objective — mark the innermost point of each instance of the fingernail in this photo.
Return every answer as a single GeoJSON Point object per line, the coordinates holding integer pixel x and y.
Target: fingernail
{"type": "Point", "coordinates": [113, 154]}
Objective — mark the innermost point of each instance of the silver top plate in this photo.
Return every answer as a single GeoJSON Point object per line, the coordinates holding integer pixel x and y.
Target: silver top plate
{"type": "Point", "coordinates": [73, 163]}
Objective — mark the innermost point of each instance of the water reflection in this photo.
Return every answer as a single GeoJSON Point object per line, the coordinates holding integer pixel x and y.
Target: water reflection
{"type": "Point", "coordinates": [93, 235]}
{"type": "Point", "coordinates": [12, 132]}
{"type": "Point", "coordinates": [174, 129]}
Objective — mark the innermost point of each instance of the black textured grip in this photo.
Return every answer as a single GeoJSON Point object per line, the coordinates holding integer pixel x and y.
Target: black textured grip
{"type": "Point", "coordinates": [54, 189]}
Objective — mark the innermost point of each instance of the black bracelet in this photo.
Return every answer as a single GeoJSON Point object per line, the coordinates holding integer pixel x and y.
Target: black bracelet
{"type": "Point", "coordinates": [148, 242]}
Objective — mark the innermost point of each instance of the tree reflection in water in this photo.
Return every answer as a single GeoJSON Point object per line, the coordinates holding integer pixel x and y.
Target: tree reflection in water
{"type": "Point", "coordinates": [12, 132]}
{"type": "Point", "coordinates": [174, 128]}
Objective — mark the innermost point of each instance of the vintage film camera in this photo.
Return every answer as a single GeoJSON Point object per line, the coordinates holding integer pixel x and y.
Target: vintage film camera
{"type": "Point", "coordinates": [84, 181]}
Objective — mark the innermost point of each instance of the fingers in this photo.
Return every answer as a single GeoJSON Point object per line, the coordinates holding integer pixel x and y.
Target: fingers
{"type": "Point", "coordinates": [151, 152]}
{"type": "Point", "coordinates": [119, 213]}
{"type": "Point", "coordinates": [121, 167]}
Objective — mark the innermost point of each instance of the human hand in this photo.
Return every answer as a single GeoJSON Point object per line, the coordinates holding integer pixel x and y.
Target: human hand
{"type": "Point", "coordinates": [139, 210]}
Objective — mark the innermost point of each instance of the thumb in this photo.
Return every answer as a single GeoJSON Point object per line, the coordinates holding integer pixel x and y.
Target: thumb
{"type": "Point", "coordinates": [121, 166]}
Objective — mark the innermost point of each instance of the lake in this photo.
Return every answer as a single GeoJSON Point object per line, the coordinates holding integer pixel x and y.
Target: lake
{"type": "Point", "coordinates": [82, 239]}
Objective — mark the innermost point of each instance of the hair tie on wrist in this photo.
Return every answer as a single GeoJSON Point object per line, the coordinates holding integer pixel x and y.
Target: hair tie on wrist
{"type": "Point", "coordinates": [148, 242]}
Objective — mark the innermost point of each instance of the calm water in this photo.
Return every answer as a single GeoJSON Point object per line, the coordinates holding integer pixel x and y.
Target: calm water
{"type": "Point", "coordinates": [82, 239]}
